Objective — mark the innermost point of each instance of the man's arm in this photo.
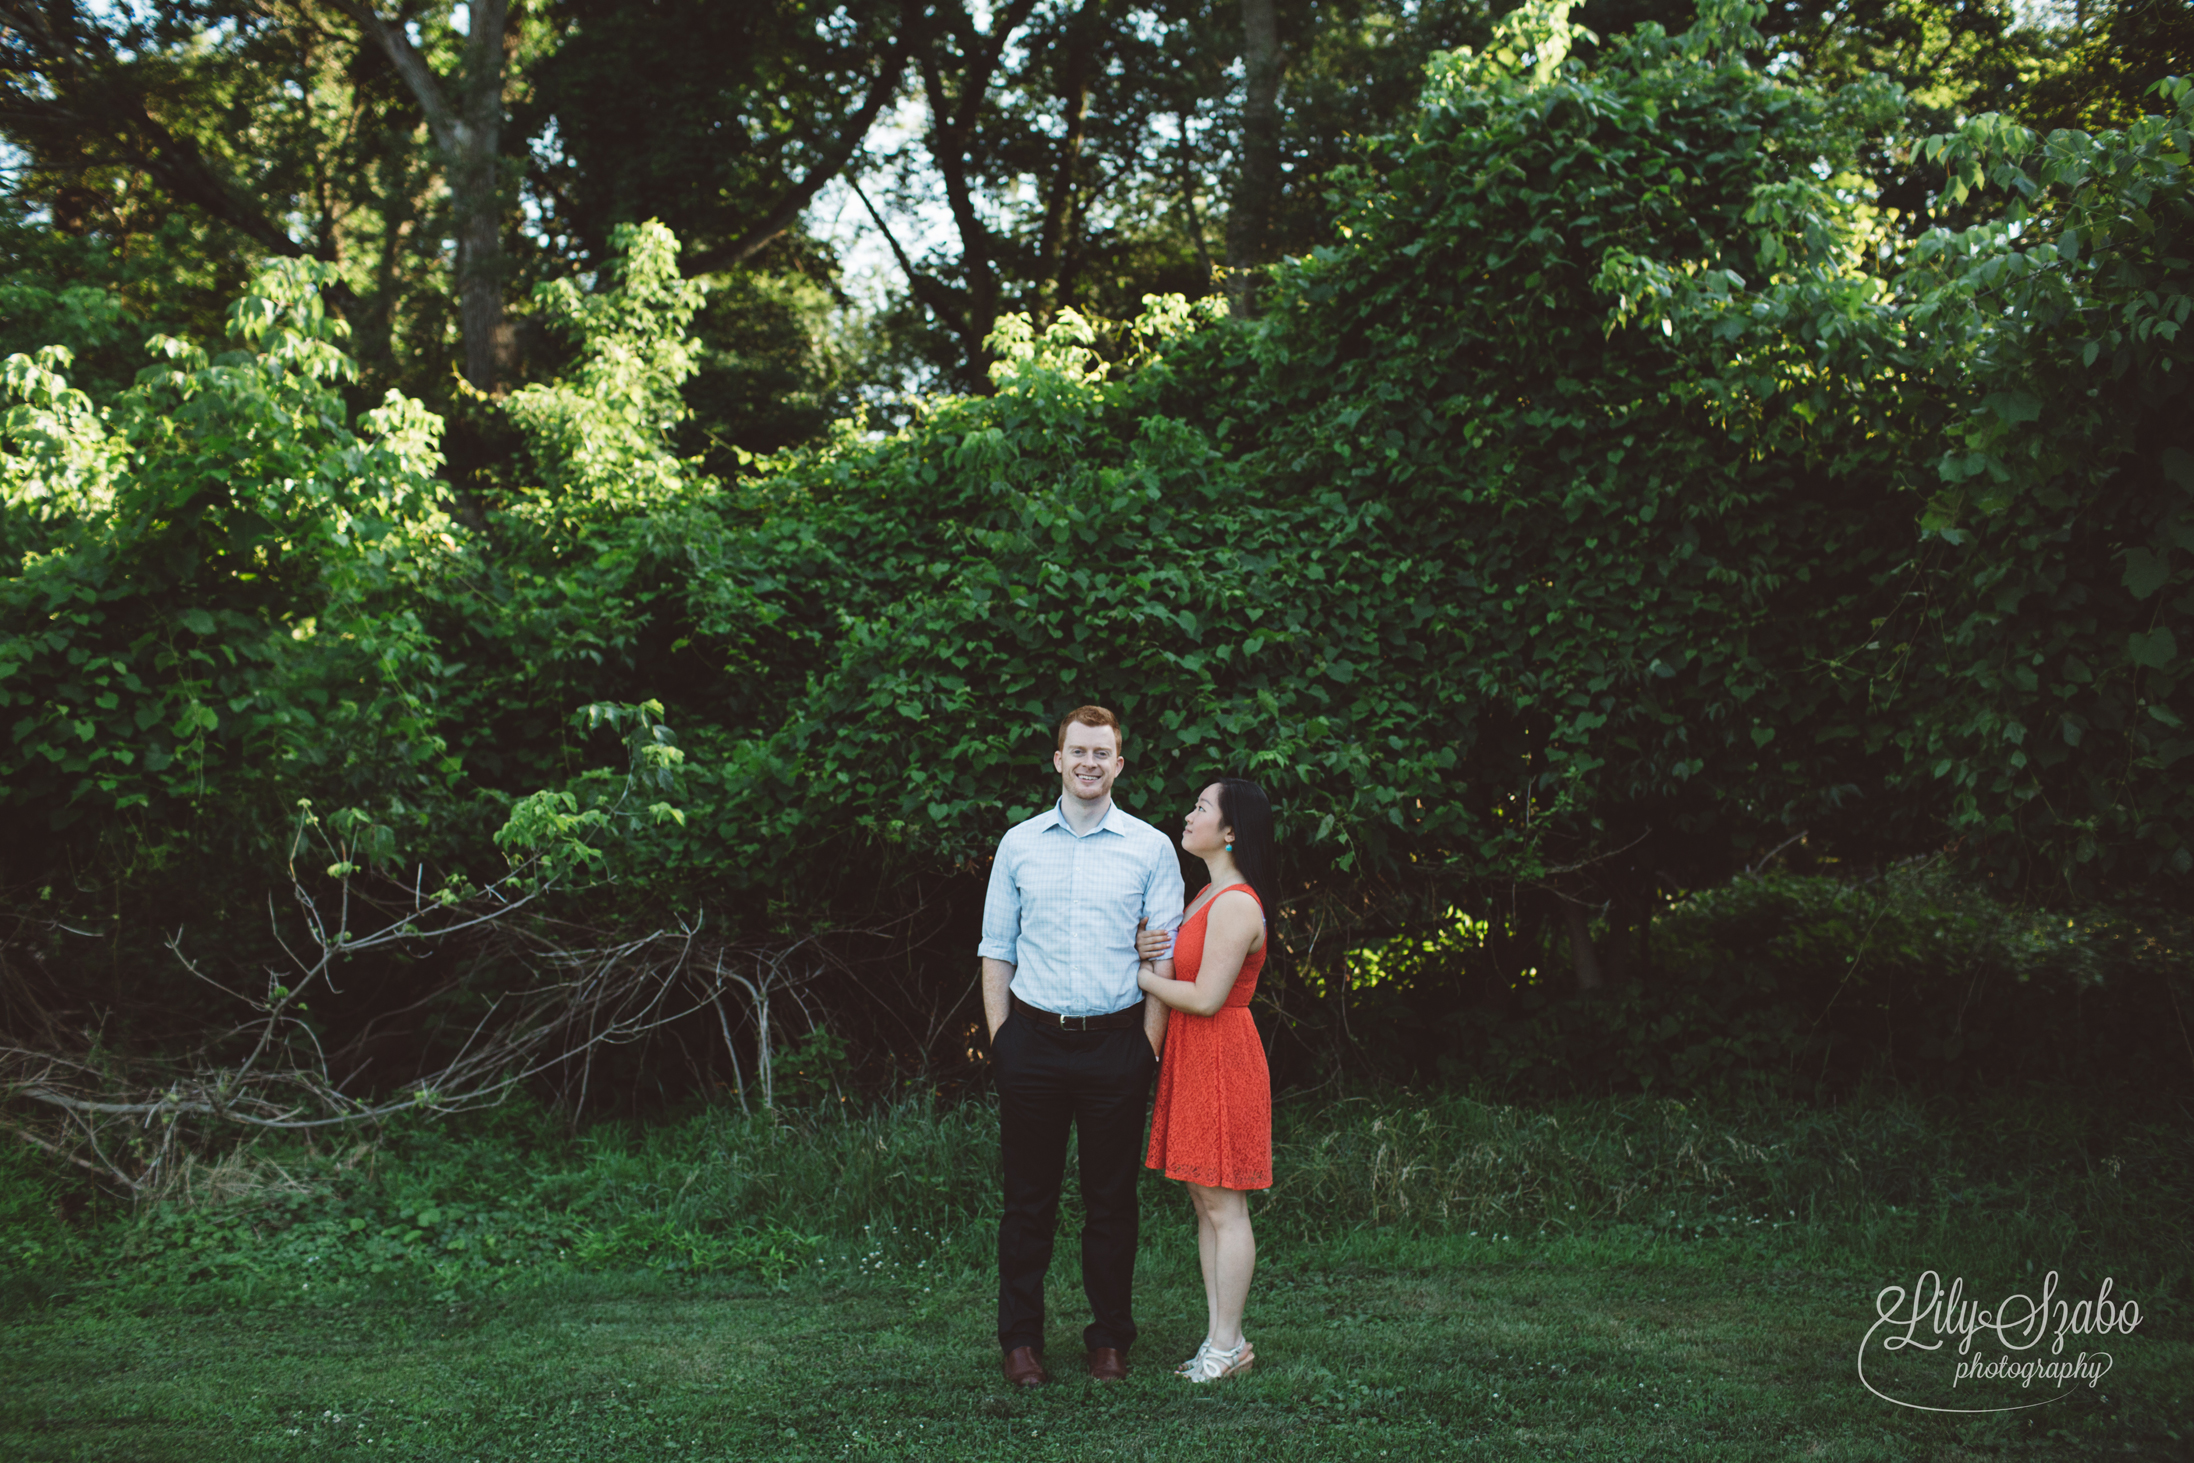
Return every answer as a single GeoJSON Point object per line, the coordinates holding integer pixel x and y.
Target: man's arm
{"type": "Point", "coordinates": [1163, 895]}
{"type": "Point", "coordinates": [1235, 921]}
{"type": "Point", "coordinates": [1001, 944]}
{"type": "Point", "coordinates": [998, 993]}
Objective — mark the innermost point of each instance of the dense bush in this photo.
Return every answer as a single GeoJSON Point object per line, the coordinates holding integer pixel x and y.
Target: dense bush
{"type": "Point", "coordinates": [1809, 986]}
{"type": "Point", "coordinates": [1617, 500]}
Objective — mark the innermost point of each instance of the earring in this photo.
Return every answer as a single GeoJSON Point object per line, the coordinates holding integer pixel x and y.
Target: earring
{"type": "Point", "coordinates": [1230, 848]}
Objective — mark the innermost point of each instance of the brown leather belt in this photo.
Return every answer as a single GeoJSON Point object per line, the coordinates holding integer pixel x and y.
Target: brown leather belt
{"type": "Point", "coordinates": [1113, 1021]}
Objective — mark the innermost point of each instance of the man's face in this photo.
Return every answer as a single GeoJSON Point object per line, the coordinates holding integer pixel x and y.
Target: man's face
{"type": "Point", "coordinates": [1089, 762]}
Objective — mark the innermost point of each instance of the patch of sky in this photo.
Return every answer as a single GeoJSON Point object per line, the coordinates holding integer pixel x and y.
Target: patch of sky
{"type": "Point", "coordinates": [535, 219]}
{"type": "Point", "coordinates": [2047, 14]}
{"type": "Point", "coordinates": [908, 203]}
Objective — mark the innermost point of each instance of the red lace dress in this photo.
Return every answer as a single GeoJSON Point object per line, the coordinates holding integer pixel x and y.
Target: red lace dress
{"type": "Point", "coordinates": [1212, 1121]}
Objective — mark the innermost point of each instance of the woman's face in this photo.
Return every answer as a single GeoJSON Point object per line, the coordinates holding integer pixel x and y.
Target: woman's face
{"type": "Point", "coordinates": [1202, 833]}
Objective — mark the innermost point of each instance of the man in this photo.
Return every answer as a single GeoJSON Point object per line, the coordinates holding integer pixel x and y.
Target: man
{"type": "Point", "coordinates": [1073, 1040]}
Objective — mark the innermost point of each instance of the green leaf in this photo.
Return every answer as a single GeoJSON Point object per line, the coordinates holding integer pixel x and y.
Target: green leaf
{"type": "Point", "coordinates": [2156, 649]}
{"type": "Point", "coordinates": [2145, 573]}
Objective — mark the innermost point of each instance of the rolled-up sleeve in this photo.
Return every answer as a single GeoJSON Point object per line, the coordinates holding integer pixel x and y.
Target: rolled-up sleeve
{"type": "Point", "coordinates": [1002, 911]}
{"type": "Point", "coordinates": [1163, 892]}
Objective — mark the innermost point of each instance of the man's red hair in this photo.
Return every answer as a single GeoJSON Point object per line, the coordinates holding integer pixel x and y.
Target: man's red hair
{"type": "Point", "coordinates": [1092, 716]}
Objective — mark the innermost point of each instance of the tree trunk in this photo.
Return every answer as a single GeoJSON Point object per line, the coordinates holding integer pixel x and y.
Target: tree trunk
{"type": "Point", "coordinates": [1582, 957]}
{"type": "Point", "coordinates": [1257, 191]}
{"type": "Point", "coordinates": [1062, 207]}
{"type": "Point", "coordinates": [473, 187]}
{"type": "Point", "coordinates": [465, 119]}
{"type": "Point", "coordinates": [955, 113]}
{"type": "Point", "coordinates": [1627, 919]}
{"type": "Point", "coordinates": [1185, 174]}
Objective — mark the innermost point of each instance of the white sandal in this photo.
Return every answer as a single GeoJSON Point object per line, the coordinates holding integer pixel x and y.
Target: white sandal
{"type": "Point", "coordinates": [1212, 1364]}
{"type": "Point", "coordinates": [1188, 1367]}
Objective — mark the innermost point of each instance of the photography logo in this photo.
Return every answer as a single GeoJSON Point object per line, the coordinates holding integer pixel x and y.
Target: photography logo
{"type": "Point", "coordinates": [1904, 1351]}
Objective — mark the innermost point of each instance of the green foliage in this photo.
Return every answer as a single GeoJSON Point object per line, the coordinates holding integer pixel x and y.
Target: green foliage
{"type": "Point", "coordinates": [291, 1245]}
{"type": "Point", "coordinates": [551, 830]}
{"type": "Point", "coordinates": [813, 1070]}
{"type": "Point", "coordinates": [1619, 497]}
{"type": "Point", "coordinates": [440, 1230]}
{"type": "Point", "coordinates": [1894, 1175]}
{"type": "Point", "coordinates": [780, 362]}
{"type": "Point", "coordinates": [196, 536]}
{"type": "Point", "coordinates": [509, 1201]}
{"type": "Point", "coordinates": [2100, 61]}
{"type": "Point", "coordinates": [36, 1246]}
{"type": "Point", "coordinates": [1812, 986]}
{"type": "Point", "coordinates": [2035, 653]}
{"type": "Point", "coordinates": [1532, 39]}
{"type": "Point", "coordinates": [890, 1197]}
{"type": "Point", "coordinates": [1754, 467]}
{"type": "Point", "coordinates": [599, 436]}
{"type": "Point", "coordinates": [78, 318]}
{"type": "Point", "coordinates": [1501, 542]}
{"type": "Point", "coordinates": [772, 1252]}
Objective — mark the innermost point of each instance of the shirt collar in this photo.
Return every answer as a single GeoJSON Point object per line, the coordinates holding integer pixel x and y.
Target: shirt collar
{"type": "Point", "coordinates": [1106, 824]}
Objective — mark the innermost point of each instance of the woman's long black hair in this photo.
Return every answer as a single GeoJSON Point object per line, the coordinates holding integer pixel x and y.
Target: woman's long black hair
{"type": "Point", "coordinates": [1244, 808]}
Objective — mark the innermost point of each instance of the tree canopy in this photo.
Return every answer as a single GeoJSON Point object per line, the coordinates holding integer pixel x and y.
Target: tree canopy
{"type": "Point", "coordinates": [1620, 469]}
{"type": "Point", "coordinates": [448, 158]}
{"type": "Point", "coordinates": [1627, 491]}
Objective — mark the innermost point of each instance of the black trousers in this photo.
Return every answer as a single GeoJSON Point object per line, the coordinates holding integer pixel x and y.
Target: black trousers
{"type": "Point", "coordinates": [1097, 1082]}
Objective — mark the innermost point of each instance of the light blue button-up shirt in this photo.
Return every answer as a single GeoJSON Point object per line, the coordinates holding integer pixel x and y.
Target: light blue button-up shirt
{"type": "Point", "coordinates": [1062, 908]}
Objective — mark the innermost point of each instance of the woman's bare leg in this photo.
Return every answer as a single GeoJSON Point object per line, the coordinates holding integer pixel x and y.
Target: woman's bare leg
{"type": "Point", "coordinates": [1207, 1256]}
{"type": "Point", "coordinates": [1233, 1259]}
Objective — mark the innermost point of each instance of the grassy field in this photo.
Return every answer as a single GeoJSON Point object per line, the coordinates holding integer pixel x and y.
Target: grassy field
{"type": "Point", "coordinates": [1471, 1319]}
{"type": "Point", "coordinates": [1402, 1348]}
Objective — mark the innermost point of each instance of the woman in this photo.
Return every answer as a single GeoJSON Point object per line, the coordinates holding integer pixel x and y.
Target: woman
{"type": "Point", "coordinates": [1211, 1125]}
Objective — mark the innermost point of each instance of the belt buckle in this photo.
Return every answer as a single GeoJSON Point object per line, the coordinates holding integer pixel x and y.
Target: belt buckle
{"type": "Point", "coordinates": [1063, 1020]}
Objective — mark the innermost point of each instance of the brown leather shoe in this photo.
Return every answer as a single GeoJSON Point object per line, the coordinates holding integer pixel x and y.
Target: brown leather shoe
{"type": "Point", "coordinates": [1023, 1369]}
{"type": "Point", "coordinates": [1107, 1364]}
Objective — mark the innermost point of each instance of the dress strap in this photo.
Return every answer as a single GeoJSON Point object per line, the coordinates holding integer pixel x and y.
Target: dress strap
{"type": "Point", "coordinates": [1204, 910]}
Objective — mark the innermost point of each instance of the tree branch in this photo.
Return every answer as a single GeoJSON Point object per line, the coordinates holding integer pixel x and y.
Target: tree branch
{"type": "Point", "coordinates": [412, 68]}
{"type": "Point", "coordinates": [833, 162]}
{"type": "Point", "coordinates": [1060, 206]}
{"type": "Point", "coordinates": [951, 132]}
{"type": "Point", "coordinates": [89, 93]}
{"type": "Point", "coordinates": [930, 290]}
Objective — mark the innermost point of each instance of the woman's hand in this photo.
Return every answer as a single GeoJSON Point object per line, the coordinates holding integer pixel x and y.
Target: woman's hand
{"type": "Point", "coordinates": [1146, 974]}
{"type": "Point", "coordinates": [1152, 944]}
{"type": "Point", "coordinates": [1236, 927]}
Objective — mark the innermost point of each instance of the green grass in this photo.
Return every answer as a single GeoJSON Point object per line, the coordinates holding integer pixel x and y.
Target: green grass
{"type": "Point", "coordinates": [1439, 1278]}
{"type": "Point", "coordinates": [1372, 1347]}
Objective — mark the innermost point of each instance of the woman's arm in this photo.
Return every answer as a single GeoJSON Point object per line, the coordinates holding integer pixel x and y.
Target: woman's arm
{"type": "Point", "coordinates": [1234, 924]}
